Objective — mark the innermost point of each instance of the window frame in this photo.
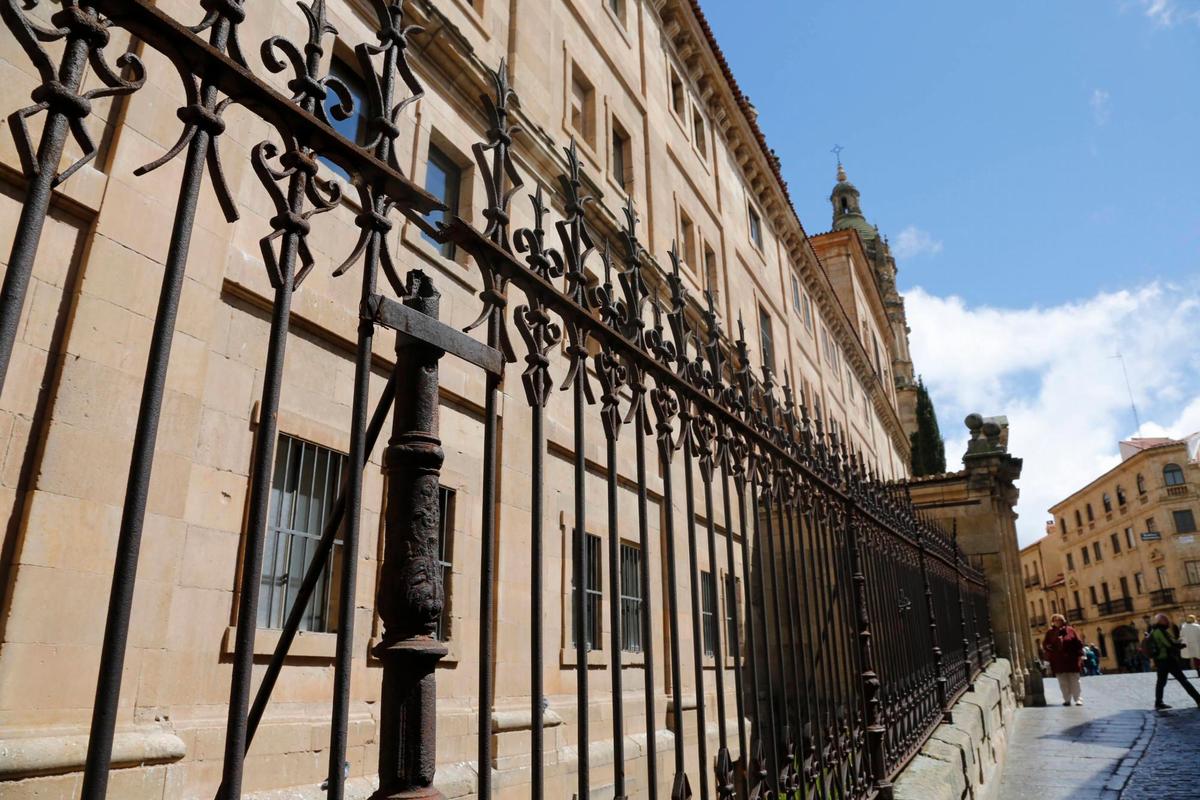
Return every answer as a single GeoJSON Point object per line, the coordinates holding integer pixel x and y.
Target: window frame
{"type": "Point", "coordinates": [708, 614]}
{"type": "Point", "coordinates": [766, 337]}
{"type": "Point", "coordinates": [1187, 514]}
{"type": "Point", "coordinates": [630, 578]}
{"type": "Point", "coordinates": [1176, 475]}
{"type": "Point", "coordinates": [594, 614]}
{"type": "Point", "coordinates": [754, 220]}
{"type": "Point", "coordinates": [450, 167]}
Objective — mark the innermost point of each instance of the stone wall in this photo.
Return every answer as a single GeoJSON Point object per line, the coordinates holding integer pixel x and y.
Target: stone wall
{"type": "Point", "coordinates": [962, 758]}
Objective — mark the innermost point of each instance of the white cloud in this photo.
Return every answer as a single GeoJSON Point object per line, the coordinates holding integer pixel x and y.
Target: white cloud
{"type": "Point", "coordinates": [1052, 372]}
{"type": "Point", "coordinates": [1169, 13]}
{"type": "Point", "coordinates": [913, 241]}
{"type": "Point", "coordinates": [1101, 107]}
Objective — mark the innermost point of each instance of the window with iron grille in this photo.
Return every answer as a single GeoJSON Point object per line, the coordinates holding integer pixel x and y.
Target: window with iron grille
{"type": "Point", "coordinates": [631, 598]}
{"type": "Point", "coordinates": [732, 631]}
{"type": "Point", "coordinates": [303, 491]}
{"type": "Point", "coordinates": [708, 611]}
{"type": "Point", "coordinates": [446, 502]}
{"type": "Point", "coordinates": [592, 596]}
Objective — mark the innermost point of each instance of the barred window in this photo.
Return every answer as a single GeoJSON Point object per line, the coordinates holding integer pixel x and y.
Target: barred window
{"type": "Point", "coordinates": [731, 612]}
{"type": "Point", "coordinates": [631, 598]}
{"type": "Point", "coordinates": [592, 596]}
{"type": "Point", "coordinates": [708, 609]}
{"type": "Point", "coordinates": [446, 503]}
{"type": "Point", "coordinates": [304, 488]}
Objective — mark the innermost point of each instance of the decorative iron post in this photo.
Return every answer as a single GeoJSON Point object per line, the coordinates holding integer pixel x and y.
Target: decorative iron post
{"type": "Point", "coordinates": [410, 588]}
{"type": "Point", "coordinates": [876, 732]}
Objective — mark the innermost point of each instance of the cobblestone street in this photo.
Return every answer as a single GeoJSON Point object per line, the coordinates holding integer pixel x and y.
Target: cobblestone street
{"type": "Point", "coordinates": [1114, 747]}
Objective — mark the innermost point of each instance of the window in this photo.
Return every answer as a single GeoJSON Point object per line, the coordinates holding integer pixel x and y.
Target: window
{"type": "Point", "coordinates": [1161, 574]}
{"type": "Point", "coordinates": [1103, 642]}
{"type": "Point", "coordinates": [1078, 519]}
{"type": "Point", "coordinates": [353, 127]}
{"type": "Point", "coordinates": [1107, 503]}
{"type": "Point", "coordinates": [592, 596]}
{"type": "Point", "coordinates": [1096, 551]}
{"type": "Point", "coordinates": [1070, 562]}
{"type": "Point", "coordinates": [708, 612]}
{"type": "Point", "coordinates": [1090, 515]}
{"type": "Point", "coordinates": [1075, 594]}
{"type": "Point", "coordinates": [304, 488]}
{"type": "Point", "coordinates": [1185, 521]}
{"type": "Point", "coordinates": [732, 631]}
{"type": "Point", "coordinates": [446, 500]}
{"type": "Point", "coordinates": [1124, 586]}
{"type": "Point", "coordinates": [1172, 475]}
{"type": "Point", "coordinates": [1120, 495]}
{"type": "Point", "coordinates": [618, 8]}
{"type": "Point", "coordinates": [756, 235]}
{"type": "Point", "coordinates": [631, 598]}
{"type": "Point", "coordinates": [796, 295]}
{"type": "Point", "coordinates": [1104, 592]}
{"type": "Point", "coordinates": [582, 108]}
{"type": "Point", "coordinates": [1092, 592]}
{"type": "Point", "coordinates": [1053, 606]}
{"type": "Point", "coordinates": [1116, 543]}
{"type": "Point", "coordinates": [1062, 525]}
{"type": "Point", "coordinates": [1087, 558]}
{"type": "Point", "coordinates": [1192, 568]}
{"type": "Point", "coordinates": [1151, 525]}
{"type": "Point", "coordinates": [698, 137]}
{"type": "Point", "coordinates": [443, 180]}
{"type": "Point", "coordinates": [878, 362]}
{"type": "Point", "coordinates": [677, 96]}
{"type": "Point", "coordinates": [1129, 540]}
{"type": "Point", "coordinates": [1139, 583]}
{"type": "Point", "coordinates": [687, 239]}
{"type": "Point", "coordinates": [1141, 484]}
{"type": "Point", "coordinates": [808, 319]}
{"type": "Point", "coordinates": [622, 161]}
{"type": "Point", "coordinates": [710, 269]}
{"type": "Point", "coordinates": [768, 339]}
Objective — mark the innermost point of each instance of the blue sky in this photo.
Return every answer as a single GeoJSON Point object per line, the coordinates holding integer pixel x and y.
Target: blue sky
{"type": "Point", "coordinates": [1036, 169]}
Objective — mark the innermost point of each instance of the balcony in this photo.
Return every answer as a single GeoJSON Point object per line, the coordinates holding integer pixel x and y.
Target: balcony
{"type": "Point", "coordinates": [1033, 581]}
{"type": "Point", "coordinates": [1074, 615]}
{"type": "Point", "coordinates": [1037, 622]}
{"type": "Point", "coordinates": [1123, 605]}
{"type": "Point", "coordinates": [1162, 597]}
{"type": "Point", "coordinates": [1177, 491]}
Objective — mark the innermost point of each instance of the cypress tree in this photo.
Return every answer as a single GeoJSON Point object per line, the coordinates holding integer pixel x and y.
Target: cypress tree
{"type": "Point", "coordinates": [928, 449]}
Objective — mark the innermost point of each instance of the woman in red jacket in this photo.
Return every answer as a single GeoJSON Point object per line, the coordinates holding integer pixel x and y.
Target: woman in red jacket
{"type": "Point", "coordinates": [1064, 651]}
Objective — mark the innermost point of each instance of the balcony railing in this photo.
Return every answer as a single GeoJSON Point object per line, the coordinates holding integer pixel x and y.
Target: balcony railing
{"type": "Point", "coordinates": [1122, 605]}
{"type": "Point", "coordinates": [1074, 615]}
{"type": "Point", "coordinates": [1034, 581]}
{"type": "Point", "coordinates": [1037, 621]}
{"type": "Point", "coordinates": [1177, 491]}
{"type": "Point", "coordinates": [1162, 597]}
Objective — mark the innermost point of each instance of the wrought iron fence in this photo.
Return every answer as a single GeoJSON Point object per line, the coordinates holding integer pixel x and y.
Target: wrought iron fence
{"type": "Point", "coordinates": [861, 621]}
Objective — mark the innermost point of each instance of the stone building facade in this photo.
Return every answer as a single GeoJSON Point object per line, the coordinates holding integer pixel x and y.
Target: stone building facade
{"type": "Point", "coordinates": [645, 93]}
{"type": "Point", "coordinates": [1122, 549]}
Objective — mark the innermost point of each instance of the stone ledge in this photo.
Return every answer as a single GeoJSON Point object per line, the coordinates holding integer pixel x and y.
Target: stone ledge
{"type": "Point", "coordinates": [962, 759]}
{"type": "Point", "coordinates": [52, 755]}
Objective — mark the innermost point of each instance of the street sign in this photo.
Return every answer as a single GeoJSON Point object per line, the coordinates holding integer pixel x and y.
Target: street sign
{"type": "Point", "coordinates": [1151, 536]}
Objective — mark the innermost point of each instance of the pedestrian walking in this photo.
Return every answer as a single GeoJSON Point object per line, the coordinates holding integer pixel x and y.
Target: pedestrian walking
{"type": "Point", "coordinates": [1064, 649]}
{"type": "Point", "coordinates": [1165, 649]}
{"type": "Point", "coordinates": [1092, 658]}
{"type": "Point", "coordinates": [1189, 634]}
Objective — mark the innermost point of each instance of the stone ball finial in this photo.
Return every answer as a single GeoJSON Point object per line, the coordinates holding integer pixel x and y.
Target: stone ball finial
{"type": "Point", "coordinates": [974, 422]}
{"type": "Point", "coordinates": [991, 429]}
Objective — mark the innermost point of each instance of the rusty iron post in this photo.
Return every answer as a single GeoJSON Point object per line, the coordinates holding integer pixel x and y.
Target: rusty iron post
{"type": "Point", "coordinates": [411, 594]}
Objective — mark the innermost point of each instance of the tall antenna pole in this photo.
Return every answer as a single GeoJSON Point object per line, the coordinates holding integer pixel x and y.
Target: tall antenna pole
{"type": "Point", "coordinates": [1129, 388]}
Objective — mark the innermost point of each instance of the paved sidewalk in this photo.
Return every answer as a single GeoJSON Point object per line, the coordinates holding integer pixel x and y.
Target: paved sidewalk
{"type": "Point", "coordinates": [1113, 747]}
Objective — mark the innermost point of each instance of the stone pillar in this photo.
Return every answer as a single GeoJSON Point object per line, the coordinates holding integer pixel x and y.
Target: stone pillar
{"type": "Point", "coordinates": [410, 594]}
{"type": "Point", "coordinates": [980, 500]}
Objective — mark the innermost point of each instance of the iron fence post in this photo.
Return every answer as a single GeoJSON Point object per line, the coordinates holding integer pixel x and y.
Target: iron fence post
{"type": "Point", "coordinates": [876, 732]}
{"type": "Point", "coordinates": [411, 594]}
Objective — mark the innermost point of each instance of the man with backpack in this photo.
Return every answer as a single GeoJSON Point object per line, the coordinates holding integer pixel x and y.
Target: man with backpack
{"type": "Point", "coordinates": [1162, 645]}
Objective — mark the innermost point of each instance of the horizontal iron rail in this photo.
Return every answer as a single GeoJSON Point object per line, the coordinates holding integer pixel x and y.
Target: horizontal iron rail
{"type": "Point", "coordinates": [412, 324]}
{"type": "Point", "coordinates": [154, 26]}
